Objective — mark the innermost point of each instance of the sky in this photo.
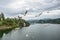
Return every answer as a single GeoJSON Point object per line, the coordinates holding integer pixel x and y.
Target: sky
{"type": "Point", "coordinates": [14, 8]}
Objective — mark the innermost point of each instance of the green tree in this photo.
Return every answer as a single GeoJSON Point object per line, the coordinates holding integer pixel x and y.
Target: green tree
{"type": "Point", "coordinates": [2, 16]}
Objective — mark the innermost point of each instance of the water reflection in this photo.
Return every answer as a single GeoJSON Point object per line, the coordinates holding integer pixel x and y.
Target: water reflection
{"type": "Point", "coordinates": [2, 32]}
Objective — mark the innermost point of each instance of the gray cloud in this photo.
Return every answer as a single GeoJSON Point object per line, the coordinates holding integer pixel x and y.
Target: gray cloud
{"type": "Point", "coordinates": [34, 6]}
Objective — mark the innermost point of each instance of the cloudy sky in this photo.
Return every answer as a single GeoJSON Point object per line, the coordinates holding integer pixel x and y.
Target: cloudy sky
{"type": "Point", "coordinates": [13, 8]}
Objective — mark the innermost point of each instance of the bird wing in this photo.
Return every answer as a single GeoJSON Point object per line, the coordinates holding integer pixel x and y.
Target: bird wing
{"type": "Point", "coordinates": [25, 13]}
{"type": "Point", "coordinates": [38, 14]}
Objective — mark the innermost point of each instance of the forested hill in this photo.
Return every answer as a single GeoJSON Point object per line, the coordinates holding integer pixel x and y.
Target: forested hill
{"type": "Point", "coordinates": [54, 21]}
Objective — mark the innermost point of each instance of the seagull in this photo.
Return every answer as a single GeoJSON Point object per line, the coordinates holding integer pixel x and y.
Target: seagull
{"type": "Point", "coordinates": [38, 15]}
{"type": "Point", "coordinates": [25, 13]}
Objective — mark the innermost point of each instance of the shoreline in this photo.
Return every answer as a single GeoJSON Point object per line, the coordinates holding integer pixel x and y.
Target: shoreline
{"type": "Point", "coordinates": [10, 27]}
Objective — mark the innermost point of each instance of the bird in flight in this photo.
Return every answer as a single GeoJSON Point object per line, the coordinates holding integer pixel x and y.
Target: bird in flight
{"type": "Point", "coordinates": [39, 14]}
{"type": "Point", "coordinates": [25, 13]}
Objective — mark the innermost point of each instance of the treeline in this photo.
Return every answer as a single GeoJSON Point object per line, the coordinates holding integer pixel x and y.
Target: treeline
{"type": "Point", "coordinates": [13, 22]}
{"type": "Point", "coordinates": [6, 23]}
{"type": "Point", "coordinates": [54, 21]}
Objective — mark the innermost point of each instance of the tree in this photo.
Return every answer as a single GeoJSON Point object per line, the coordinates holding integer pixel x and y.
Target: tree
{"type": "Point", "coordinates": [2, 16]}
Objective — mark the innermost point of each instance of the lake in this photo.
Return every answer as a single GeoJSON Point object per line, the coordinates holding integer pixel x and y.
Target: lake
{"type": "Point", "coordinates": [34, 32]}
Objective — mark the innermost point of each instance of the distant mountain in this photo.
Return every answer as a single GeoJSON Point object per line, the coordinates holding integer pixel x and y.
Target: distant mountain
{"type": "Point", "coordinates": [54, 21]}
{"type": "Point", "coordinates": [33, 21]}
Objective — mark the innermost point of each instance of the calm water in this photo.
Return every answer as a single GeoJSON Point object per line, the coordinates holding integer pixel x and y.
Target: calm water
{"type": "Point", "coordinates": [35, 32]}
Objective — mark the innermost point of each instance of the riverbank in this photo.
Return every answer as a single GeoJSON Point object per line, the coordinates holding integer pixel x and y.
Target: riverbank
{"type": "Point", "coordinates": [11, 23]}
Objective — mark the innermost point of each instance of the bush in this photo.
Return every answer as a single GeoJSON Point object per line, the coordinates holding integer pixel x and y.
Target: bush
{"type": "Point", "coordinates": [1, 23]}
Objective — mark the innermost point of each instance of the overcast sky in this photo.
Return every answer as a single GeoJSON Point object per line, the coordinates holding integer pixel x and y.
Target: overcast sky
{"type": "Point", "coordinates": [13, 8]}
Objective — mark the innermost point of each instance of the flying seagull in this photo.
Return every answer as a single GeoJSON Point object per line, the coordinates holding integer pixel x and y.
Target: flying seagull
{"type": "Point", "coordinates": [38, 14]}
{"type": "Point", "coordinates": [25, 13]}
